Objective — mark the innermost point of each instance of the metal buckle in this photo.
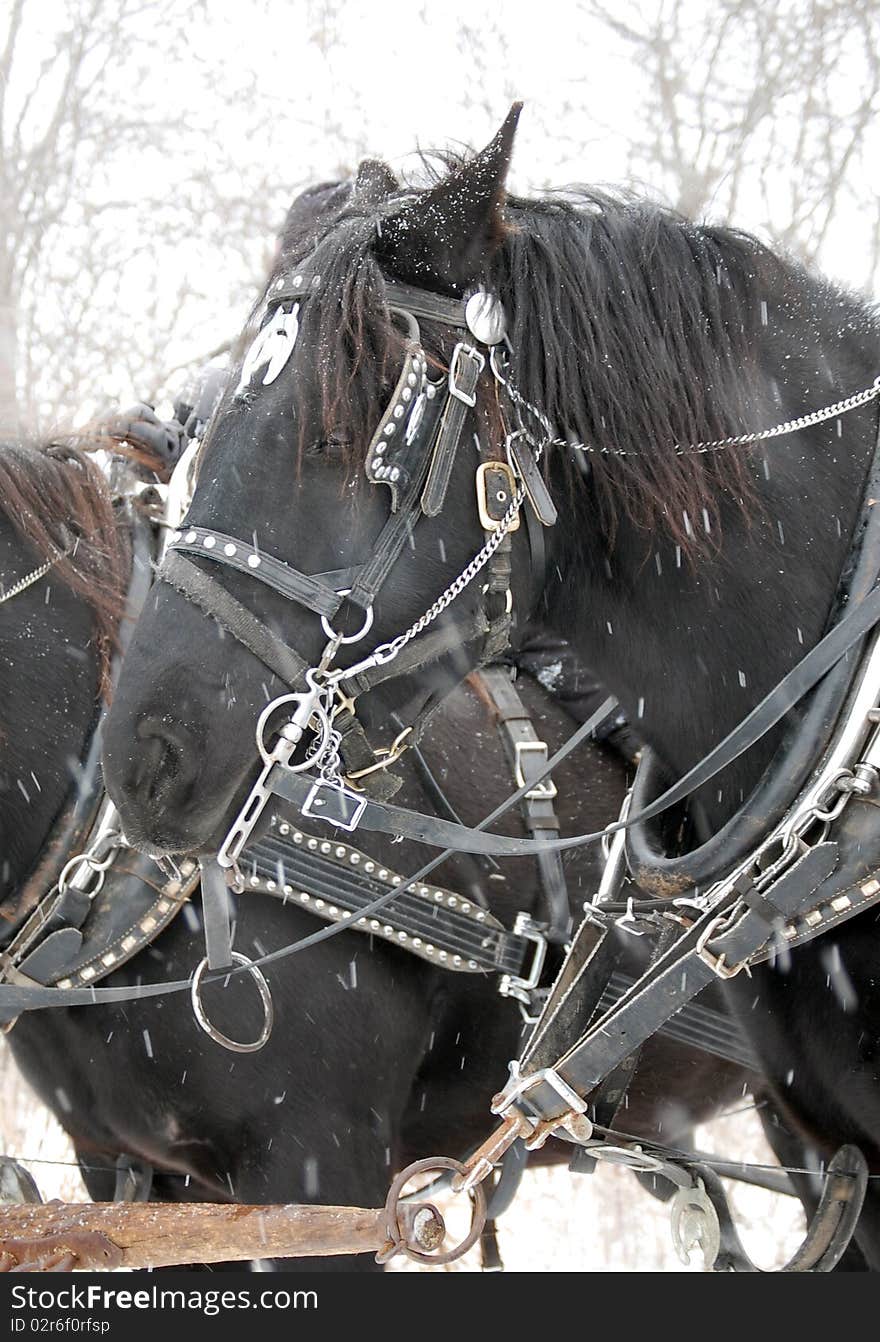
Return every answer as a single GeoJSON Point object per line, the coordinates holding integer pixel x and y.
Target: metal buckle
{"type": "Point", "coordinates": [716, 962]}
{"type": "Point", "coordinates": [545, 790]}
{"type": "Point", "coordinates": [521, 987]}
{"type": "Point", "coordinates": [485, 471]}
{"type": "Point", "coordinates": [519, 1086]}
{"type": "Point", "coordinates": [335, 805]}
{"type": "Point", "coordinates": [466, 351]}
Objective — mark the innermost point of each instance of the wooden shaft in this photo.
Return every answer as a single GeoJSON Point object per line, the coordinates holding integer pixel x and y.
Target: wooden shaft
{"type": "Point", "coordinates": [162, 1234]}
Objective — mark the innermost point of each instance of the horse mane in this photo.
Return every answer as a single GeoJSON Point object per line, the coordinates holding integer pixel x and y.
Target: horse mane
{"type": "Point", "coordinates": [633, 329]}
{"type": "Point", "coordinates": [57, 499]}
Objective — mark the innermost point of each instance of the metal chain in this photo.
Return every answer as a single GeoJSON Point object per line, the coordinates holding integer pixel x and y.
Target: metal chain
{"type": "Point", "coordinates": [744, 439]}
{"type": "Point", "coordinates": [464, 578]}
{"type": "Point", "coordinates": [719, 444]}
{"type": "Point", "coordinates": [24, 583]}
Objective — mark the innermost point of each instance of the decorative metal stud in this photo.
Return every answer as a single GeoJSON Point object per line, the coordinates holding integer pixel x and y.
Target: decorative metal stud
{"type": "Point", "coordinates": [841, 902]}
{"type": "Point", "coordinates": [254, 561]}
{"type": "Point", "coordinates": [485, 317]}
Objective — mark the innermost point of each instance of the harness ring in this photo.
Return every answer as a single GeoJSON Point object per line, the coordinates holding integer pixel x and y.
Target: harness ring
{"type": "Point", "coordinates": [350, 638]}
{"type": "Point", "coordinates": [399, 1241]}
{"type": "Point", "coordinates": [195, 996]}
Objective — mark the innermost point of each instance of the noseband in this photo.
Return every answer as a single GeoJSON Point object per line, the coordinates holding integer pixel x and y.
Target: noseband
{"type": "Point", "coordinates": [412, 451]}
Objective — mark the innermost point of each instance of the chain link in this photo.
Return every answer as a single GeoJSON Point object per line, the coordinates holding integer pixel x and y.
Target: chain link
{"type": "Point", "coordinates": [24, 583]}
{"type": "Point", "coordinates": [744, 439]}
{"type": "Point", "coordinates": [386, 652]}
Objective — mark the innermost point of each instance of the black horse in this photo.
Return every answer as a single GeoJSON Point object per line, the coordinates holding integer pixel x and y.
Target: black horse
{"type": "Point", "coordinates": [690, 570]}
{"type": "Point", "coordinates": [376, 1059]}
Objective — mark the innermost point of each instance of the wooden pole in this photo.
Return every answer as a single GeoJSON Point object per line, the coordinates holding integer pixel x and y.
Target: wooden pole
{"type": "Point", "coordinates": [61, 1236]}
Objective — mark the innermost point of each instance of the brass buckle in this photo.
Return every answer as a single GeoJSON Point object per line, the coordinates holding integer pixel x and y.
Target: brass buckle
{"type": "Point", "coordinates": [385, 757]}
{"type": "Point", "coordinates": [487, 521]}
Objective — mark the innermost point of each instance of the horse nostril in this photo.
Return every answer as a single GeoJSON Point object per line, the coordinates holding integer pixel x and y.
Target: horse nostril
{"type": "Point", "coordinates": [164, 765]}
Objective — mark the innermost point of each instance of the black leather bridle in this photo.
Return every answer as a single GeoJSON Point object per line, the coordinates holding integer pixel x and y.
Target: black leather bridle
{"type": "Point", "coordinates": [412, 451]}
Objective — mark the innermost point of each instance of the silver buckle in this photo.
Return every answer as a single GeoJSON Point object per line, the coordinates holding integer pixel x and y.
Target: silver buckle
{"type": "Point", "coordinates": [546, 789]}
{"type": "Point", "coordinates": [518, 1087]}
{"type": "Point", "coordinates": [518, 986]}
{"type": "Point", "coordinates": [335, 805]}
{"type": "Point", "coordinates": [467, 351]}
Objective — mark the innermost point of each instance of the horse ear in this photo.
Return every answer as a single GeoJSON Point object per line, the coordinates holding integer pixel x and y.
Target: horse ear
{"type": "Point", "coordinates": [374, 183]}
{"type": "Point", "coordinates": [444, 237]}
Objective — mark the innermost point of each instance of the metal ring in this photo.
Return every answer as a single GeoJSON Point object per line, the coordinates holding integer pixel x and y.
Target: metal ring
{"type": "Point", "coordinates": [396, 1233]}
{"type": "Point", "coordinates": [351, 638]}
{"type": "Point", "coordinates": [322, 733]}
{"type": "Point", "coordinates": [630, 1158]}
{"type": "Point", "coordinates": [98, 869]}
{"type": "Point", "coordinates": [211, 1030]}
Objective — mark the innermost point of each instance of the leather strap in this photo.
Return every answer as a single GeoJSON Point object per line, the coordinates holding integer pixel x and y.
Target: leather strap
{"type": "Point", "coordinates": [396, 533]}
{"type": "Point", "coordinates": [211, 597]}
{"type": "Point", "coordinates": [465, 368]}
{"type": "Point", "coordinates": [421, 303]}
{"type": "Point", "coordinates": [440, 833]}
{"type": "Point", "coordinates": [304, 588]}
{"type": "Point", "coordinates": [216, 915]}
{"type": "Point", "coordinates": [671, 982]}
{"type": "Point", "coordinates": [527, 754]}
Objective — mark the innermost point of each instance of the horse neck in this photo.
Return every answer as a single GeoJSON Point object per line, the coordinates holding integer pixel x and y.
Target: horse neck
{"type": "Point", "coordinates": [49, 670]}
{"type": "Point", "coordinates": [689, 647]}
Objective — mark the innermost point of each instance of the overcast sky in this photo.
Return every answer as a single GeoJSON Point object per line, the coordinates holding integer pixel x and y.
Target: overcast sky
{"type": "Point", "coordinates": [373, 76]}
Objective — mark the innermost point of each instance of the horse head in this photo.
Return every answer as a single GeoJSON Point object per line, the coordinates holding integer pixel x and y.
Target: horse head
{"type": "Point", "coordinates": [336, 488]}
